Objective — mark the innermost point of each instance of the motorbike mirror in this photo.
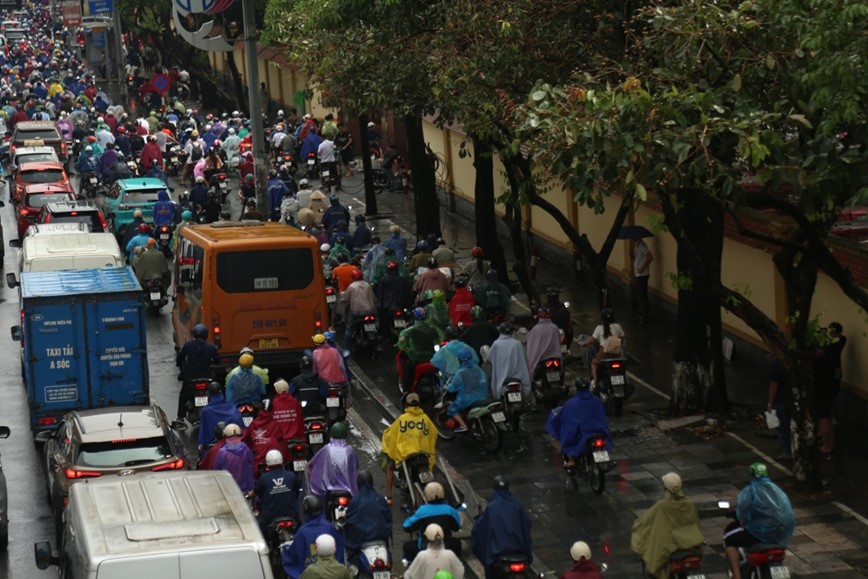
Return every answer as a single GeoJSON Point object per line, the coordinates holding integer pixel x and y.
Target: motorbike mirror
{"type": "Point", "coordinates": [567, 305]}
{"type": "Point", "coordinates": [603, 567]}
{"type": "Point", "coordinates": [436, 348]}
{"type": "Point", "coordinates": [723, 504]}
{"type": "Point", "coordinates": [303, 403]}
{"type": "Point", "coordinates": [462, 507]}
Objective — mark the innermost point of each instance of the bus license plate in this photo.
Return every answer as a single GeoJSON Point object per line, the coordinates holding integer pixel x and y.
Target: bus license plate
{"type": "Point", "coordinates": [617, 380]}
{"type": "Point", "coordinates": [268, 344]}
{"type": "Point", "coordinates": [299, 465]}
{"type": "Point", "coordinates": [601, 456]}
{"type": "Point", "coordinates": [553, 376]}
{"type": "Point", "coordinates": [201, 401]}
{"type": "Point", "coordinates": [426, 476]}
{"type": "Point", "coordinates": [247, 420]}
{"type": "Point", "coordinates": [155, 296]}
{"type": "Point", "coordinates": [331, 299]}
{"type": "Point", "coordinates": [316, 438]}
{"type": "Point", "coordinates": [333, 402]}
{"type": "Point", "coordinates": [370, 327]}
{"type": "Point", "coordinates": [513, 396]}
{"type": "Point", "coordinates": [498, 416]}
{"type": "Point", "coordinates": [400, 323]}
{"type": "Point", "coordinates": [781, 572]}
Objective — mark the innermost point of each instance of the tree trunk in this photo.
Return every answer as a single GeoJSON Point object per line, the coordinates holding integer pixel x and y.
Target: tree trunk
{"type": "Point", "coordinates": [513, 221]}
{"type": "Point", "coordinates": [483, 207]}
{"type": "Point", "coordinates": [240, 95]}
{"type": "Point", "coordinates": [367, 171]}
{"type": "Point", "coordinates": [424, 185]}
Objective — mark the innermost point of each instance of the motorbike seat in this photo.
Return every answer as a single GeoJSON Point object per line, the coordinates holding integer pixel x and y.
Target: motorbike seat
{"type": "Point", "coordinates": [478, 404]}
{"type": "Point", "coordinates": [422, 369]}
{"type": "Point", "coordinates": [764, 547]}
{"type": "Point", "coordinates": [682, 554]}
{"type": "Point", "coordinates": [512, 558]}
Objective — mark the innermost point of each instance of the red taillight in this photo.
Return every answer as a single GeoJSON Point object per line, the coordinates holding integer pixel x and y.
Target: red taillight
{"type": "Point", "coordinates": [285, 524]}
{"type": "Point", "coordinates": [684, 564]}
{"type": "Point", "coordinates": [316, 426]}
{"type": "Point", "coordinates": [221, 177]}
{"type": "Point", "coordinates": [24, 212]}
{"type": "Point", "coordinates": [245, 408]}
{"type": "Point", "coordinates": [200, 385]}
{"type": "Point", "coordinates": [343, 501]}
{"type": "Point", "coordinates": [616, 365]}
{"type": "Point", "coordinates": [761, 558]}
{"type": "Point", "coordinates": [174, 465]}
{"type": "Point", "coordinates": [552, 364]}
{"type": "Point", "coordinates": [599, 443]}
{"type": "Point", "coordinates": [72, 473]}
{"type": "Point", "coordinates": [63, 147]}
{"type": "Point", "coordinates": [517, 567]}
{"type": "Point", "coordinates": [399, 314]}
{"type": "Point", "coordinates": [330, 291]}
{"type": "Point", "coordinates": [370, 318]}
{"type": "Point", "coordinates": [606, 548]}
{"type": "Point", "coordinates": [299, 447]}
{"type": "Point", "coordinates": [45, 420]}
{"type": "Point", "coordinates": [379, 564]}
{"type": "Point", "coordinates": [164, 228]}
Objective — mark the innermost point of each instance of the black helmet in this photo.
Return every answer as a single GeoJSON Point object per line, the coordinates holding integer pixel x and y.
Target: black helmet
{"type": "Point", "coordinates": [553, 292]}
{"type": "Point", "coordinates": [312, 506]}
{"type": "Point", "coordinates": [607, 315]}
{"type": "Point", "coordinates": [501, 482]}
{"type": "Point", "coordinates": [491, 273]}
{"type": "Point", "coordinates": [306, 362]}
{"type": "Point", "coordinates": [364, 479]}
{"type": "Point", "coordinates": [218, 429]}
{"type": "Point", "coordinates": [505, 328]}
{"type": "Point", "coordinates": [450, 333]}
{"type": "Point", "coordinates": [360, 219]}
{"type": "Point", "coordinates": [215, 388]}
{"type": "Point", "coordinates": [432, 262]}
{"type": "Point", "coordinates": [200, 331]}
{"type": "Point", "coordinates": [582, 384]}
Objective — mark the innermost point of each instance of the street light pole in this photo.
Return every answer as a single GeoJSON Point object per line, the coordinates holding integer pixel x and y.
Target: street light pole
{"type": "Point", "coordinates": [255, 103]}
{"type": "Point", "coordinates": [119, 48]}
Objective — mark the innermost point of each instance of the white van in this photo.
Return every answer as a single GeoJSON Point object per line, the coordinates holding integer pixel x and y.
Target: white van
{"type": "Point", "coordinates": [67, 249]}
{"type": "Point", "coordinates": [166, 525]}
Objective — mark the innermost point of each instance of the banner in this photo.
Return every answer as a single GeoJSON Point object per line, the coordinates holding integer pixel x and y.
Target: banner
{"type": "Point", "coordinates": [71, 13]}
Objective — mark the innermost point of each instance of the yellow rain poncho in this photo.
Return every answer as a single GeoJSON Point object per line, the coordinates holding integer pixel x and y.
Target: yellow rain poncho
{"type": "Point", "coordinates": [412, 432]}
{"type": "Point", "coordinates": [671, 524]}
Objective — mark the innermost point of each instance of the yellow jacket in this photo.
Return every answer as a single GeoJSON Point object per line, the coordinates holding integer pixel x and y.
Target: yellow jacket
{"type": "Point", "coordinates": [412, 432]}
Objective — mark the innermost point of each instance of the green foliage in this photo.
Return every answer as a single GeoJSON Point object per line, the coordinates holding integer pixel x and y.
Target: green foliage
{"type": "Point", "coordinates": [682, 281]}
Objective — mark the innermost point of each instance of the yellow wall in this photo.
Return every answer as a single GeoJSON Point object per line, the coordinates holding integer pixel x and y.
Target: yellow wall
{"type": "Point", "coordinates": [831, 305]}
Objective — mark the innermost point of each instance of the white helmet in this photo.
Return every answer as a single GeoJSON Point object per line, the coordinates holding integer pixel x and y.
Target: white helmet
{"type": "Point", "coordinates": [200, 179]}
{"type": "Point", "coordinates": [232, 430]}
{"type": "Point", "coordinates": [280, 113]}
{"type": "Point", "coordinates": [281, 386]}
{"type": "Point", "coordinates": [580, 550]}
{"type": "Point", "coordinates": [89, 149]}
{"type": "Point", "coordinates": [273, 458]}
{"type": "Point", "coordinates": [231, 131]}
{"type": "Point", "coordinates": [434, 532]}
{"type": "Point", "coordinates": [325, 248]}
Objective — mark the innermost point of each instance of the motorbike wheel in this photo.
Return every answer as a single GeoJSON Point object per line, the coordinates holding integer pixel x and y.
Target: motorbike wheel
{"type": "Point", "coordinates": [488, 433]}
{"type": "Point", "coordinates": [595, 477]}
{"type": "Point", "coordinates": [617, 405]}
{"type": "Point", "coordinates": [514, 421]}
{"type": "Point", "coordinates": [154, 310]}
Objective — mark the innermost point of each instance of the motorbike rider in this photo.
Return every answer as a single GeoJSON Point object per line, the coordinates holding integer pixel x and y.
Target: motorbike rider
{"type": "Point", "coordinates": [342, 232]}
{"type": "Point", "coordinates": [119, 170]}
{"type": "Point", "coordinates": [380, 272]}
{"type": "Point", "coordinates": [482, 333]}
{"type": "Point", "coordinates": [392, 293]}
{"type": "Point", "coordinates": [263, 434]}
{"type": "Point", "coordinates": [325, 566]}
{"type": "Point", "coordinates": [583, 567]}
{"type": "Point", "coordinates": [277, 490]}
{"type": "Point", "coordinates": [107, 160]}
{"type": "Point", "coordinates": [438, 310]}
{"type": "Point", "coordinates": [369, 517]}
{"type": "Point", "coordinates": [543, 342]}
{"type": "Point", "coordinates": [335, 466]}
{"type": "Point", "coordinates": [362, 235]}
{"type": "Point", "coordinates": [461, 303]}
{"type": "Point", "coordinates": [360, 300]}
{"type": "Point", "coordinates": [206, 462]}
{"type": "Point", "coordinates": [217, 410]}
{"type": "Point", "coordinates": [236, 457]}
{"type": "Point", "coordinates": [397, 243]}
{"type": "Point", "coordinates": [469, 383]}
{"type": "Point", "coordinates": [151, 264]}
{"type": "Point", "coordinates": [435, 509]}
{"type": "Point", "coordinates": [300, 553]}
{"type": "Point", "coordinates": [309, 388]}
{"type": "Point", "coordinates": [164, 210]}
{"type": "Point", "coordinates": [763, 515]}
{"type": "Point", "coordinates": [410, 433]}
{"type": "Point", "coordinates": [475, 268]}
{"type": "Point", "coordinates": [445, 359]}
{"type": "Point", "coordinates": [328, 362]}
{"type": "Point", "coordinates": [133, 227]}
{"type": "Point", "coordinates": [259, 371]}
{"type": "Point", "coordinates": [277, 190]}
{"type": "Point", "coordinates": [508, 360]}
{"type": "Point", "coordinates": [244, 386]}
{"type": "Point", "coordinates": [416, 343]}
{"type": "Point", "coordinates": [671, 524]}
{"type": "Point", "coordinates": [420, 257]}
{"type": "Point", "coordinates": [140, 239]}
{"type": "Point", "coordinates": [607, 341]}
{"type": "Point", "coordinates": [334, 214]}
{"type": "Point", "coordinates": [560, 314]}
{"type": "Point", "coordinates": [194, 359]}
{"type": "Point", "coordinates": [435, 558]}
{"type": "Point", "coordinates": [286, 411]}
{"type": "Point", "coordinates": [582, 417]}
{"type": "Point", "coordinates": [503, 528]}
{"type": "Point", "coordinates": [87, 162]}
{"type": "Point", "coordinates": [199, 195]}
{"type": "Point", "coordinates": [493, 296]}
{"type": "Point", "coordinates": [431, 279]}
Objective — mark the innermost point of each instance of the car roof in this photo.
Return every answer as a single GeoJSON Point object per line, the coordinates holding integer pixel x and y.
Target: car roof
{"type": "Point", "coordinates": [142, 183]}
{"type": "Point", "coordinates": [34, 150]}
{"type": "Point", "coordinates": [47, 188]}
{"type": "Point", "coordinates": [117, 422]}
{"type": "Point", "coordinates": [61, 206]}
{"type": "Point", "coordinates": [40, 166]}
{"type": "Point", "coordinates": [35, 125]}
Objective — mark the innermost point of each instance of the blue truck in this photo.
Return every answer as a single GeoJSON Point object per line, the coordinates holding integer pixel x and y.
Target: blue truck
{"type": "Point", "coordinates": [83, 342]}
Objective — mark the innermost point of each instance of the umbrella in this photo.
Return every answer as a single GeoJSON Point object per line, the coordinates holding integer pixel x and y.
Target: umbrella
{"type": "Point", "coordinates": [634, 232]}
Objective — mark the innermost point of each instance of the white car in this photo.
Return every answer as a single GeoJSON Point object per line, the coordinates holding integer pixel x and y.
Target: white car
{"type": "Point", "coordinates": [31, 155]}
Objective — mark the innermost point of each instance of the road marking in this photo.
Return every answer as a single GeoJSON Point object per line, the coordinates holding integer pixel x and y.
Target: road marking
{"type": "Point", "coordinates": [762, 455]}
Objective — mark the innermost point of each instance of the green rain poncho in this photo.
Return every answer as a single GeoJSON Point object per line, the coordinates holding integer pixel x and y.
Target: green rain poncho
{"type": "Point", "coordinates": [671, 524]}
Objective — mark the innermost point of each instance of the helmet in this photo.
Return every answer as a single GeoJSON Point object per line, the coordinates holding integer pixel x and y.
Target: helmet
{"type": "Point", "coordinates": [364, 479]}
{"type": "Point", "coordinates": [281, 386]}
{"type": "Point", "coordinates": [186, 215]}
{"type": "Point", "coordinates": [464, 355]}
{"type": "Point", "coordinates": [215, 387]}
{"type": "Point", "coordinates": [137, 213]}
{"type": "Point", "coordinates": [218, 429]}
{"type": "Point", "coordinates": [394, 229]}
{"type": "Point", "coordinates": [428, 295]}
{"type": "Point", "coordinates": [477, 252]}
{"type": "Point", "coordinates": [333, 199]}
{"type": "Point", "coordinates": [200, 331]}
{"type": "Point", "coordinates": [437, 294]}
{"type": "Point", "coordinates": [303, 183]}
{"type": "Point", "coordinates": [505, 328]}
{"type": "Point", "coordinates": [326, 546]}
{"type": "Point", "coordinates": [272, 173]}
{"type": "Point", "coordinates": [432, 262]}
{"type": "Point", "coordinates": [319, 339]}
{"type": "Point", "coordinates": [306, 362]}
{"type": "Point", "coordinates": [450, 333]}
{"type": "Point", "coordinates": [477, 312]}
{"type": "Point", "coordinates": [491, 273]}
{"type": "Point", "coordinates": [419, 313]}
{"type": "Point", "coordinates": [89, 149]}
{"type": "Point", "coordinates": [273, 458]}
{"type": "Point", "coordinates": [356, 275]}
{"type": "Point", "coordinates": [672, 482]}
{"type": "Point", "coordinates": [245, 360]}
{"type": "Point", "coordinates": [338, 430]}
{"type": "Point", "coordinates": [246, 350]}
{"type": "Point", "coordinates": [607, 315]}
{"type": "Point", "coordinates": [392, 264]}
{"type": "Point", "coordinates": [759, 469]}
{"type": "Point", "coordinates": [325, 248]}
{"type": "Point", "coordinates": [443, 574]}
{"type": "Point", "coordinates": [360, 218]}
{"type": "Point", "coordinates": [434, 532]}
{"type": "Point", "coordinates": [552, 292]}
{"type": "Point", "coordinates": [501, 482]}
{"type": "Point", "coordinates": [544, 312]}
{"type": "Point", "coordinates": [232, 430]}
{"type": "Point", "coordinates": [330, 336]}
{"type": "Point", "coordinates": [248, 177]}
{"type": "Point", "coordinates": [144, 228]}
{"type": "Point", "coordinates": [311, 505]}
{"type": "Point", "coordinates": [582, 384]}
{"type": "Point", "coordinates": [461, 280]}
{"type": "Point", "coordinates": [122, 129]}
{"type": "Point", "coordinates": [200, 179]}
{"type": "Point", "coordinates": [580, 550]}
{"type": "Point", "coordinates": [434, 491]}
{"type": "Point", "coordinates": [412, 399]}
{"type": "Point", "coordinates": [421, 244]}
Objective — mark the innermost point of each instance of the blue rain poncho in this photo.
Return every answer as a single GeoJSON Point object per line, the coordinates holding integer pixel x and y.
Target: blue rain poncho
{"type": "Point", "coordinates": [764, 510]}
{"type": "Point", "coordinates": [580, 418]}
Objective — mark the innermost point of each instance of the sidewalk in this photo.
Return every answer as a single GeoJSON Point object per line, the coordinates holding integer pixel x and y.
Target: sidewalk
{"type": "Point", "coordinates": [832, 528]}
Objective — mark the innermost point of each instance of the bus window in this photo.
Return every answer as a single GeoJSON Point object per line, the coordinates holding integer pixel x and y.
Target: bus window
{"type": "Point", "coordinates": [264, 270]}
{"type": "Point", "coordinates": [190, 264]}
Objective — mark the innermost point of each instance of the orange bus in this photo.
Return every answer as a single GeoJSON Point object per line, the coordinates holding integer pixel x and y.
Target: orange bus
{"type": "Point", "coordinates": [252, 284]}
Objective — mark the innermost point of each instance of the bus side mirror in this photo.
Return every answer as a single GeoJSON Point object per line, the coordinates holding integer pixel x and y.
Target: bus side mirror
{"type": "Point", "coordinates": [16, 333]}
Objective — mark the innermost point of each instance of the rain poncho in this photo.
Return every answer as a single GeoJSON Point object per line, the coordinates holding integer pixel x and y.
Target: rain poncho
{"type": "Point", "coordinates": [503, 528]}
{"type": "Point", "coordinates": [333, 468]}
{"type": "Point", "coordinates": [326, 568]}
{"type": "Point", "coordinates": [369, 518]}
{"type": "Point", "coordinates": [411, 432]}
{"type": "Point", "coordinates": [671, 524]}
{"type": "Point", "coordinates": [277, 490]}
{"type": "Point", "coordinates": [236, 458]}
{"type": "Point", "coordinates": [433, 559]}
{"type": "Point", "coordinates": [543, 342]}
{"type": "Point", "coordinates": [508, 360]}
{"type": "Point", "coordinates": [438, 312]}
{"type": "Point", "coordinates": [418, 341]}
{"type": "Point", "coordinates": [582, 569]}
{"type": "Point", "coordinates": [217, 410]}
{"type": "Point", "coordinates": [398, 244]}
{"type": "Point", "coordinates": [580, 418]}
{"type": "Point", "coordinates": [765, 511]}
{"type": "Point", "coordinates": [245, 387]}
{"type": "Point", "coordinates": [286, 411]}
{"type": "Point", "coordinates": [446, 358]}
{"type": "Point", "coordinates": [459, 307]}
{"type": "Point", "coordinates": [471, 384]}
{"type": "Point", "coordinates": [372, 261]}
{"type": "Point", "coordinates": [301, 553]}
{"type": "Point", "coordinates": [392, 292]}
{"type": "Point", "coordinates": [262, 435]}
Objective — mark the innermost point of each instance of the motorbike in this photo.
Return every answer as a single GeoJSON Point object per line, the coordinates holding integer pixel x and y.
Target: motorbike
{"type": "Point", "coordinates": [426, 378]}
{"type": "Point", "coordinates": [311, 166]}
{"type": "Point", "coordinates": [298, 453]}
{"type": "Point", "coordinates": [412, 475]}
{"type": "Point", "coordinates": [365, 338]}
{"type": "Point", "coordinates": [336, 403]}
{"type": "Point", "coordinates": [218, 185]}
{"type": "Point", "coordinates": [548, 383]}
{"type": "Point", "coordinates": [374, 560]}
{"type": "Point", "coordinates": [511, 566]}
{"type": "Point", "coordinates": [198, 388]}
{"type": "Point", "coordinates": [175, 159]}
{"type": "Point", "coordinates": [336, 507]}
{"type": "Point", "coordinates": [327, 177]}
{"type": "Point", "coordinates": [485, 420]}
{"type": "Point", "coordinates": [247, 413]}
{"type": "Point", "coordinates": [90, 184]}
{"type": "Point", "coordinates": [399, 322]}
{"type": "Point", "coordinates": [163, 235]}
{"type": "Point", "coordinates": [287, 159]}
{"type": "Point", "coordinates": [281, 531]}
{"type": "Point", "coordinates": [759, 561]}
{"type": "Point", "coordinates": [315, 431]}
{"type": "Point", "coordinates": [155, 295]}
{"type": "Point", "coordinates": [612, 386]}
{"type": "Point", "coordinates": [510, 397]}
{"type": "Point", "coordinates": [683, 564]}
{"type": "Point", "coordinates": [133, 166]}
{"type": "Point", "coordinates": [592, 466]}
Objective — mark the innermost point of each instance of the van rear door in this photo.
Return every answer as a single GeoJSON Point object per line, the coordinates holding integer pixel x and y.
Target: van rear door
{"type": "Point", "coordinates": [119, 366]}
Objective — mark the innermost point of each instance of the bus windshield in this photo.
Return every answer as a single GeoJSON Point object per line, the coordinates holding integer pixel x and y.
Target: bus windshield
{"type": "Point", "coordinates": [264, 270]}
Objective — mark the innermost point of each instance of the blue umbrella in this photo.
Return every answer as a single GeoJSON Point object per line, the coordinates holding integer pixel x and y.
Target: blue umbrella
{"type": "Point", "coordinates": [634, 232]}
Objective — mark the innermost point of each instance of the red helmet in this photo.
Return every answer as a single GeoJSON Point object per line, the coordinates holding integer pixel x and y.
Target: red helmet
{"type": "Point", "coordinates": [91, 139]}
{"type": "Point", "coordinates": [356, 275]}
{"type": "Point", "coordinates": [144, 228]}
{"type": "Point", "coordinates": [392, 264]}
{"type": "Point", "coordinates": [122, 129]}
{"type": "Point", "coordinates": [477, 252]}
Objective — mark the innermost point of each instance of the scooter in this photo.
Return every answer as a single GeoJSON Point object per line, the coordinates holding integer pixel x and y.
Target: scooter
{"type": "Point", "coordinates": [155, 295]}
{"type": "Point", "coordinates": [548, 383]}
{"type": "Point", "coordinates": [426, 378]}
{"type": "Point", "coordinates": [412, 475]}
{"type": "Point", "coordinates": [592, 465]}
{"type": "Point", "coordinates": [612, 386]}
{"type": "Point", "coordinates": [336, 403]}
{"type": "Point", "coordinates": [133, 166]}
{"type": "Point", "coordinates": [327, 178]}
{"type": "Point", "coordinates": [759, 561]}
{"type": "Point", "coordinates": [510, 397]}
{"type": "Point", "coordinates": [315, 431]}
{"type": "Point", "coordinates": [218, 185]}
{"type": "Point", "coordinates": [374, 560]}
{"type": "Point", "coordinates": [399, 322]}
{"type": "Point", "coordinates": [336, 507]}
{"type": "Point", "coordinates": [281, 531]}
{"type": "Point", "coordinates": [311, 166]}
{"type": "Point", "coordinates": [298, 453]}
{"type": "Point", "coordinates": [198, 387]}
{"type": "Point", "coordinates": [163, 235]}
{"type": "Point", "coordinates": [485, 420]}
{"type": "Point", "coordinates": [365, 338]}
{"type": "Point", "coordinates": [90, 184]}
{"type": "Point", "coordinates": [247, 413]}
{"type": "Point", "coordinates": [175, 160]}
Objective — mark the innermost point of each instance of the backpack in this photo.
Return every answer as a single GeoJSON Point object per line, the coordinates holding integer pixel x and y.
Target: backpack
{"type": "Point", "coordinates": [196, 153]}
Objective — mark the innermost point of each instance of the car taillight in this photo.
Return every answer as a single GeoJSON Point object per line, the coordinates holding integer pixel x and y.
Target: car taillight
{"type": "Point", "coordinates": [24, 212]}
{"type": "Point", "coordinates": [599, 443]}
{"type": "Point", "coordinates": [760, 558]}
{"type": "Point", "coordinates": [684, 564]}
{"type": "Point", "coordinates": [343, 501]}
{"type": "Point", "coordinates": [73, 473]}
{"type": "Point", "coordinates": [174, 465]}
{"type": "Point", "coordinates": [517, 567]}
{"type": "Point", "coordinates": [46, 420]}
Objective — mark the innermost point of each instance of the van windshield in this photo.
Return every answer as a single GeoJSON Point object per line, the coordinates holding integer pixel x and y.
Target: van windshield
{"type": "Point", "coordinates": [130, 452]}
{"type": "Point", "coordinates": [265, 270]}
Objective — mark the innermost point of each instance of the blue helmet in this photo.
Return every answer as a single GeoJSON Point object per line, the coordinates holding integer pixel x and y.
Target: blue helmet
{"type": "Point", "coordinates": [419, 313]}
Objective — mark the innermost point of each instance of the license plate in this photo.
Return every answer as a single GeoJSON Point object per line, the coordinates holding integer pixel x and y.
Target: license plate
{"type": "Point", "coordinates": [299, 465]}
{"type": "Point", "coordinates": [155, 296]}
{"type": "Point", "coordinates": [781, 572]}
{"type": "Point", "coordinates": [601, 456]}
{"type": "Point", "coordinates": [426, 476]}
{"type": "Point", "coordinates": [92, 180]}
{"type": "Point", "coordinates": [617, 380]}
{"type": "Point", "coordinates": [331, 299]}
{"type": "Point", "coordinates": [370, 327]}
{"type": "Point", "coordinates": [316, 438]}
{"type": "Point", "coordinates": [563, 349]}
{"type": "Point", "coordinates": [382, 575]}
{"type": "Point", "coordinates": [164, 236]}
{"type": "Point", "coordinates": [268, 344]}
{"type": "Point", "coordinates": [325, 174]}
{"type": "Point", "coordinates": [174, 159]}
{"type": "Point", "coordinates": [333, 402]}
{"type": "Point", "coordinates": [400, 323]}
{"type": "Point", "coordinates": [131, 165]}
{"type": "Point", "coordinates": [201, 401]}
{"type": "Point", "coordinates": [498, 416]}
{"type": "Point", "coordinates": [340, 513]}
{"type": "Point", "coordinates": [223, 185]}
{"type": "Point", "coordinates": [553, 376]}
{"type": "Point", "coordinates": [513, 396]}
{"type": "Point", "coordinates": [247, 420]}
{"type": "Point", "coordinates": [696, 576]}
{"type": "Point", "coordinates": [311, 162]}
